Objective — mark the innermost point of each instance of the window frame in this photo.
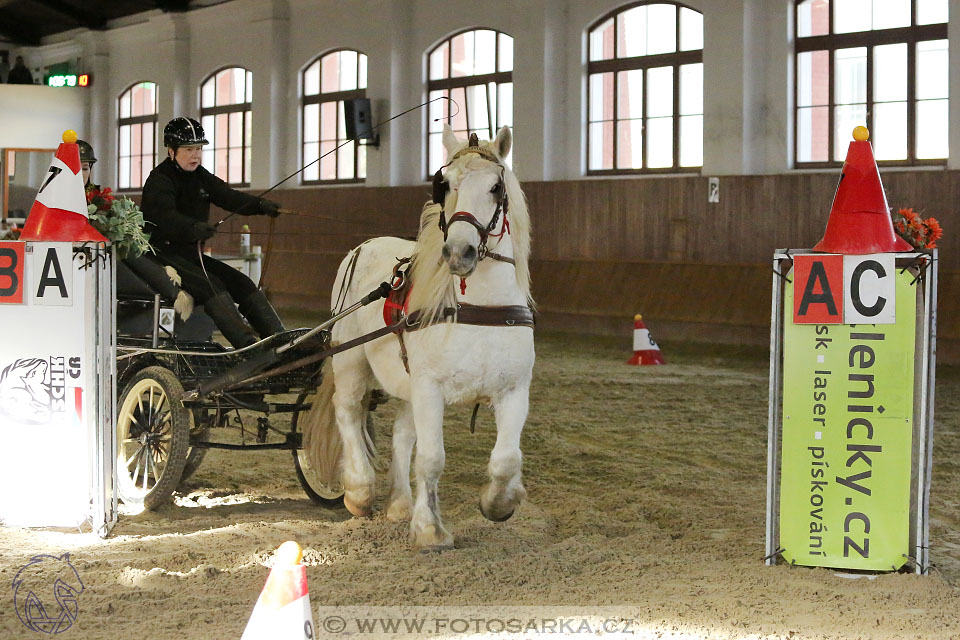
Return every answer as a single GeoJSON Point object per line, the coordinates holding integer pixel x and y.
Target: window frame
{"type": "Point", "coordinates": [831, 42]}
{"type": "Point", "coordinates": [331, 96]}
{"type": "Point", "coordinates": [237, 107]}
{"type": "Point", "coordinates": [450, 83]}
{"type": "Point", "coordinates": [153, 118]}
{"type": "Point", "coordinates": [675, 60]}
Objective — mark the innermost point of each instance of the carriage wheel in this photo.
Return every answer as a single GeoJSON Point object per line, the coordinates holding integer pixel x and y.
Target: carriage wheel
{"type": "Point", "coordinates": [153, 435]}
{"type": "Point", "coordinates": [321, 492]}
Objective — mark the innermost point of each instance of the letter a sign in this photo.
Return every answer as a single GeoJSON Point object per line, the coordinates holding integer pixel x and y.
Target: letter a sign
{"type": "Point", "coordinates": [818, 289]}
{"type": "Point", "coordinates": [844, 289]}
{"type": "Point", "coordinates": [51, 273]}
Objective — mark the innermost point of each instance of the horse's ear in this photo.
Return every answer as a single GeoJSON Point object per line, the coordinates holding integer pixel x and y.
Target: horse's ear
{"type": "Point", "coordinates": [503, 142]}
{"type": "Point", "coordinates": [450, 141]}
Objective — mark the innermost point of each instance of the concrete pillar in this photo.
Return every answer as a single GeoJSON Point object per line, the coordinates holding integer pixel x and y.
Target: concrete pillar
{"type": "Point", "coordinates": [98, 128]}
{"type": "Point", "coordinates": [401, 140]}
{"type": "Point", "coordinates": [556, 16]}
{"type": "Point", "coordinates": [953, 34]}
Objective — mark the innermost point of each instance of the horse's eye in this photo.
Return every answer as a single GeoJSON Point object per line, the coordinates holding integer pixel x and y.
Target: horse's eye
{"type": "Point", "coordinates": [495, 190]}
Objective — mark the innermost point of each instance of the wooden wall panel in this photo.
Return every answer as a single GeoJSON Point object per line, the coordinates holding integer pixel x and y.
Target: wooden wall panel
{"type": "Point", "coordinates": [606, 249]}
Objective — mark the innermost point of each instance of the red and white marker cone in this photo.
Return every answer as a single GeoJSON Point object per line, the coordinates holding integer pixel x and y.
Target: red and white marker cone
{"type": "Point", "coordinates": [283, 608]}
{"type": "Point", "coordinates": [645, 349]}
{"type": "Point", "coordinates": [60, 211]}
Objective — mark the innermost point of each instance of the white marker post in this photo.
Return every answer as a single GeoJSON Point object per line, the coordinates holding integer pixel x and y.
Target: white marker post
{"type": "Point", "coordinates": [57, 389]}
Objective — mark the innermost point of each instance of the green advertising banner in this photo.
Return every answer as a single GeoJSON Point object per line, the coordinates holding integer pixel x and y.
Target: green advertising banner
{"type": "Point", "coordinates": [847, 439]}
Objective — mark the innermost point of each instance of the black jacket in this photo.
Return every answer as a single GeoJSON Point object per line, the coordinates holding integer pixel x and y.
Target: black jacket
{"type": "Point", "coordinates": [174, 199]}
{"type": "Point", "coordinates": [20, 75]}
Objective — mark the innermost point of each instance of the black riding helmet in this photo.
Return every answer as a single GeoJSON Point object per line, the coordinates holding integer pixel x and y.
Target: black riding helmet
{"type": "Point", "coordinates": [182, 131]}
{"type": "Point", "coordinates": [86, 152]}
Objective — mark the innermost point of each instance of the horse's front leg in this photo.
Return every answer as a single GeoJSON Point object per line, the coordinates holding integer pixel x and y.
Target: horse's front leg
{"type": "Point", "coordinates": [500, 497]}
{"type": "Point", "coordinates": [426, 528]}
{"type": "Point", "coordinates": [357, 471]}
{"type": "Point", "coordinates": [400, 504]}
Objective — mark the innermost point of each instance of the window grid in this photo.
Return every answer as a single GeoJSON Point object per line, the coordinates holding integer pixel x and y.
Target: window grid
{"type": "Point", "coordinates": [494, 85]}
{"type": "Point", "coordinates": [226, 120]}
{"type": "Point", "coordinates": [136, 135]}
{"type": "Point", "coordinates": [643, 63]}
{"type": "Point", "coordinates": [349, 163]}
{"type": "Point", "coordinates": [831, 43]}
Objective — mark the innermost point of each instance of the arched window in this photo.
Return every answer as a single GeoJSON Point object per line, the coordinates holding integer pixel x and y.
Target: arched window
{"type": "Point", "coordinates": [475, 69]}
{"type": "Point", "coordinates": [137, 134]}
{"type": "Point", "coordinates": [226, 99]}
{"type": "Point", "coordinates": [327, 83]}
{"type": "Point", "coordinates": [882, 64]}
{"type": "Point", "coordinates": [645, 90]}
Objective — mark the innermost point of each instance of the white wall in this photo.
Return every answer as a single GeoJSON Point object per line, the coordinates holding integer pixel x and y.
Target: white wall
{"type": "Point", "coordinates": [747, 61]}
{"type": "Point", "coordinates": [33, 116]}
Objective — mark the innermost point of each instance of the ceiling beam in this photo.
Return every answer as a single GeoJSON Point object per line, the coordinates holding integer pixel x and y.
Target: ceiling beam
{"type": "Point", "coordinates": [177, 6]}
{"type": "Point", "coordinates": [21, 34]}
{"type": "Point", "coordinates": [88, 19]}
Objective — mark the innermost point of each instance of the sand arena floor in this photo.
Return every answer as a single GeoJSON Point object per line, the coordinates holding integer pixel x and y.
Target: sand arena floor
{"type": "Point", "coordinates": [646, 495]}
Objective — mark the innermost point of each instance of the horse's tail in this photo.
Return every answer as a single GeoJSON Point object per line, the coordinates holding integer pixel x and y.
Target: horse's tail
{"type": "Point", "coordinates": [321, 436]}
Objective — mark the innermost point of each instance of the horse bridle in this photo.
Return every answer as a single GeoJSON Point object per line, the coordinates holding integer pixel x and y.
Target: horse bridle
{"type": "Point", "coordinates": [441, 187]}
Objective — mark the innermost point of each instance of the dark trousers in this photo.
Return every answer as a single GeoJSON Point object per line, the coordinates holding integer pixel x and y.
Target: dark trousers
{"type": "Point", "coordinates": [222, 277]}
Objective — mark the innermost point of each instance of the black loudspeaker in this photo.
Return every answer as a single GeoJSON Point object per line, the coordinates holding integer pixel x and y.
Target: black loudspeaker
{"type": "Point", "coordinates": [357, 119]}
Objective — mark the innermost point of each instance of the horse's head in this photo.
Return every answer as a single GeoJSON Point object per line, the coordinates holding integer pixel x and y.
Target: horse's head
{"type": "Point", "coordinates": [473, 188]}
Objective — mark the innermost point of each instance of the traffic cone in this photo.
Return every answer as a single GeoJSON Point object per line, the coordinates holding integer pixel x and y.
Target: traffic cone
{"type": "Point", "coordinates": [645, 349]}
{"type": "Point", "coordinates": [860, 218]}
{"type": "Point", "coordinates": [60, 211]}
{"type": "Point", "coordinates": [283, 608]}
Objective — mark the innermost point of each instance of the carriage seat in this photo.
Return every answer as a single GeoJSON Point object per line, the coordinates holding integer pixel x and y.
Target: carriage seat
{"type": "Point", "coordinates": [139, 283]}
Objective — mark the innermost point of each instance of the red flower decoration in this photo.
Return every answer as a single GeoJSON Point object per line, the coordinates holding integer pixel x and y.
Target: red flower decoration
{"type": "Point", "coordinates": [922, 234]}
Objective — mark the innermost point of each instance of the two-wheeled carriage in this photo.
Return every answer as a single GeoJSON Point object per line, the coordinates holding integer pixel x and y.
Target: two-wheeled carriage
{"type": "Point", "coordinates": [177, 389]}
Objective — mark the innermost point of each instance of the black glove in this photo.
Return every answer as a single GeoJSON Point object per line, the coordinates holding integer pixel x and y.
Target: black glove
{"type": "Point", "coordinates": [269, 208]}
{"type": "Point", "coordinates": [202, 231]}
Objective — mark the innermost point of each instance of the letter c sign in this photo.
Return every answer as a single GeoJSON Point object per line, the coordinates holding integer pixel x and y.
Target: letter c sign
{"type": "Point", "coordinates": [870, 289]}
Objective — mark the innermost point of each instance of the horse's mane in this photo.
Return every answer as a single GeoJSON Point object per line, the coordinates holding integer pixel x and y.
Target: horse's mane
{"type": "Point", "coordinates": [434, 287]}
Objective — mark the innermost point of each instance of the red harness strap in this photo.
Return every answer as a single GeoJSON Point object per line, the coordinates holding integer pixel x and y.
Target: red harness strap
{"type": "Point", "coordinates": [396, 306]}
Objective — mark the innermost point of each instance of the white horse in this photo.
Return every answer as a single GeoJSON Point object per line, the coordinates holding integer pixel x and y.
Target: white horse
{"type": "Point", "coordinates": [449, 362]}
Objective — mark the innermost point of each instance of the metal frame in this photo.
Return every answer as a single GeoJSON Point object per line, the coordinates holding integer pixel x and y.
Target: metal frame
{"type": "Point", "coordinates": [138, 121]}
{"type": "Point", "coordinates": [616, 65]}
{"type": "Point", "coordinates": [449, 83]}
{"type": "Point", "coordinates": [227, 109]}
{"type": "Point", "coordinates": [831, 42]}
{"type": "Point", "coordinates": [337, 97]}
{"type": "Point", "coordinates": [924, 386]}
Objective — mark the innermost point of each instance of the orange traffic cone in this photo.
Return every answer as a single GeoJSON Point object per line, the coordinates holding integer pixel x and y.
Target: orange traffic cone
{"type": "Point", "coordinates": [60, 211]}
{"type": "Point", "coordinates": [283, 608]}
{"type": "Point", "coordinates": [860, 218]}
{"type": "Point", "coordinates": [645, 349]}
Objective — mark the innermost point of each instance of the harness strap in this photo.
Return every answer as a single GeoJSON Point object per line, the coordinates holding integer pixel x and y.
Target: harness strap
{"type": "Point", "coordinates": [502, 316]}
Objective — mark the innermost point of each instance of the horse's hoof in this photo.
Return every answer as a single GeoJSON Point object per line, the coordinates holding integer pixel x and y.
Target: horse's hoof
{"type": "Point", "coordinates": [400, 510]}
{"type": "Point", "coordinates": [432, 538]}
{"type": "Point", "coordinates": [496, 517]}
{"type": "Point", "coordinates": [358, 510]}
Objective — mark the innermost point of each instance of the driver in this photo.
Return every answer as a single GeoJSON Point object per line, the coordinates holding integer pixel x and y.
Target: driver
{"type": "Point", "coordinates": [87, 160]}
{"type": "Point", "coordinates": [176, 200]}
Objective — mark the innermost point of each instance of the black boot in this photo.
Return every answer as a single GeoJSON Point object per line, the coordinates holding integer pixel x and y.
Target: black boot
{"type": "Point", "coordinates": [260, 314]}
{"type": "Point", "coordinates": [224, 313]}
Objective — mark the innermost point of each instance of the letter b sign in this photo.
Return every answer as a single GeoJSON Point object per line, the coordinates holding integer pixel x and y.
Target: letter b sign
{"type": "Point", "coordinates": [11, 272]}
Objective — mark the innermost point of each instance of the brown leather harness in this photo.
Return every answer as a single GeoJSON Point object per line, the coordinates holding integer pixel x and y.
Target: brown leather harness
{"type": "Point", "coordinates": [395, 311]}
